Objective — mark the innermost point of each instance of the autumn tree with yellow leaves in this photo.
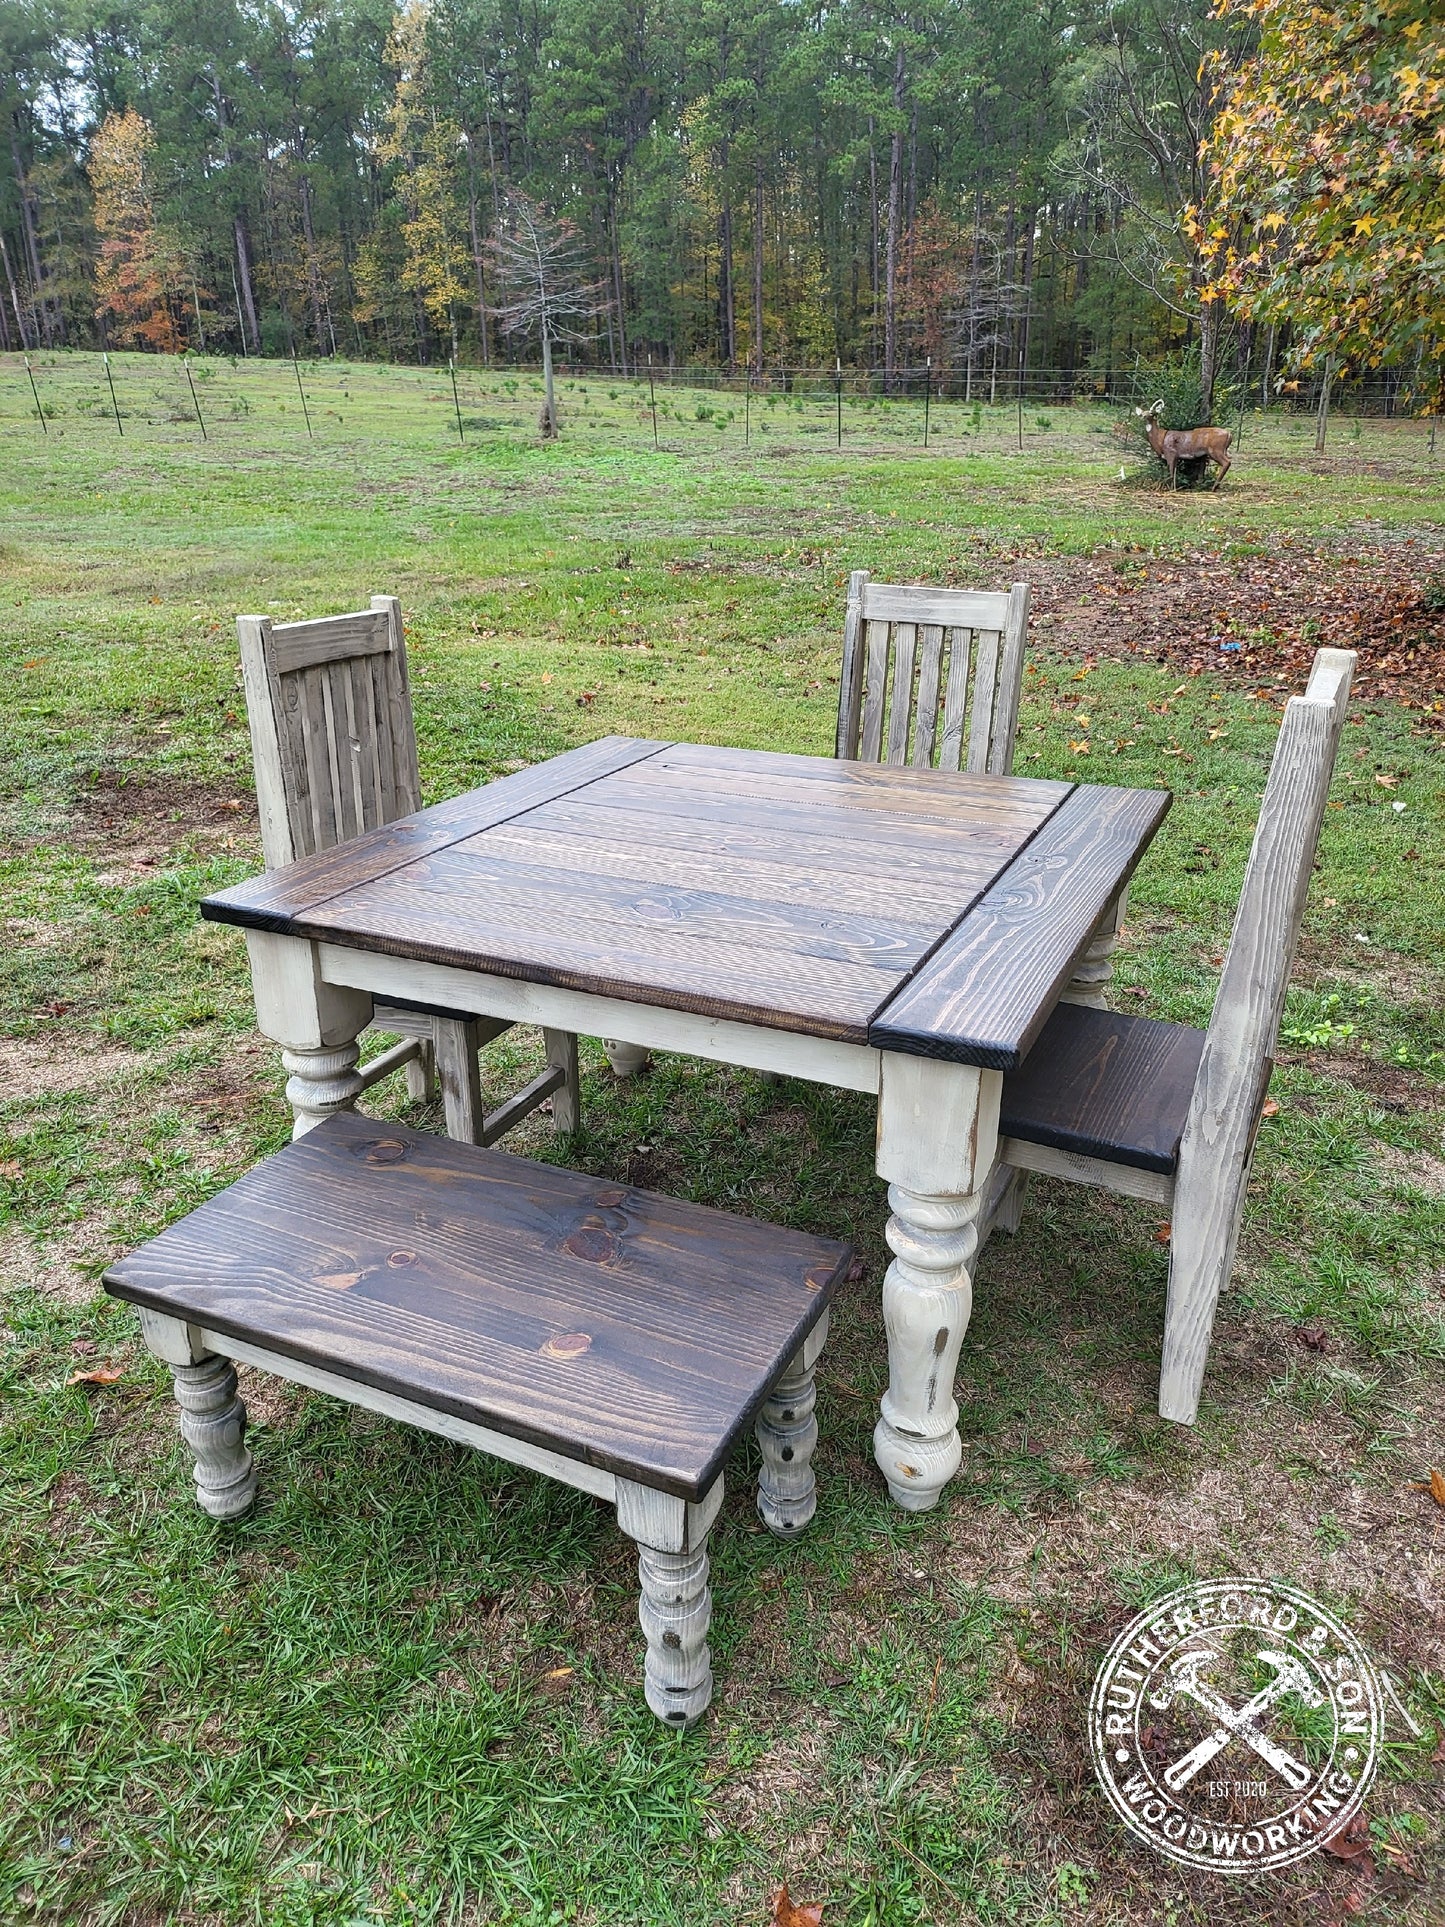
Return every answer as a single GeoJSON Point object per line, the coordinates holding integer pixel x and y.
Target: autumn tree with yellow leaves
{"type": "Point", "coordinates": [1327, 161]}
{"type": "Point", "coordinates": [133, 274]}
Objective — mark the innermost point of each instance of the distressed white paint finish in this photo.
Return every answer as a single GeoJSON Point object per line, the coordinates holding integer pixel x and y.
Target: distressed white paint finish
{"type": "Point", "coordinates": [675, 1608]}
{"type": "Point", "coordinates": [536, 1458]}
{"type": "Point", "coordinates": [213, 1419]}
{"type": "Point", "coordinates": [1004, 1201]}
{"type": "Point", "coordinates": [819, 1060]}
{"type": "Point", "coordinates": [1156, 1186]}
{"type": "Point", "coordinates": [627, 1060]}
{"type": "Point", "coordinates": [937, 1143]}
{"type": "Point", "coordinates": [1218, 1141]}
{"type": "Point", "coordinates": [787, 1433]}
{"type": "Point", "coordinates": [561, 1049]}
{"type": "Point", "coordinates": [1094, 971]}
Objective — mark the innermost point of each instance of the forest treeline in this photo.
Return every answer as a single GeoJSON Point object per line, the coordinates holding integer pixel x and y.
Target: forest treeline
{"type": "Point", "coordinates": [756, 182]}
{"type": "Point", "coordinates": [992, 184]}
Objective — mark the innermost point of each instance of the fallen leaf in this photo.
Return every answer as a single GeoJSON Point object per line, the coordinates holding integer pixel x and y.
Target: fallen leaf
{"type": "Point", "coordinates": [1435, 1486]}
{"type": "Point", "coordinates": [1315, 1337]}
{"type": "Point", "coordinates": [1387, 782]}
{"type": "Point", "coordinates": [856, 1271]}
{"type": "Point", "coordinates": [10, 1168]}
{"type": "Point", "coordinates": [1352, 1843]}
{"type": "Point", "coordinates": [1163, 1234]}
{"type": "Point", "coordinates": [1437, 1758]}
{"type": "Point", "coordinates": [787, 1914]}
{"type": "Point", "coordinates": [1271, 1109]}
{"type": "Point", "coordinates": [101, 1375]}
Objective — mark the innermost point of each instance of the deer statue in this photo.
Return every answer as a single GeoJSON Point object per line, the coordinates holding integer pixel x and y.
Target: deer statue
{"type": "Point", "coordinates": [1176, 445]}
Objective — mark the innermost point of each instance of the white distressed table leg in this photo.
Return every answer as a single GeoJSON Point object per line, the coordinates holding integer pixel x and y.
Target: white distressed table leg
{"type": "Point", "coordinates": [1094, 971]}
{"type": "Point", "coordinates": [937, 1141]}
{"type": "Point", "coordinates": [213, 1419]}
{"type": "Point", "coordinates": [626, 1059]}
{"type": "Point", "coordinates": [787, 1433]}
{"type": "Point", "coordinates": [676, 1604]}
{"type": "Point", "coordinates": [315, 1023]}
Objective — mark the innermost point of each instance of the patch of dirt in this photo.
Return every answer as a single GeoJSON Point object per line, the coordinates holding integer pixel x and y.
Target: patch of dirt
{"type": "Point", "coordinates": [64, 1267]}
{"type": "Point", "coordinates": [1418, 1169]}
{"type": "Point", "coordinates": [34, 1068]}
{"type": "Point", "coordinates": [146, 816]}
{"type": "Point", "coordinates": [1251, 617]}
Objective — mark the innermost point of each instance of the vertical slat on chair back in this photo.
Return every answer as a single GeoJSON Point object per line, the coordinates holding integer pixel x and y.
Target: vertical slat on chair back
{"type": "Point", "coordinates": [331, 727]}
{"type": "Point", "coordinates": [1218, 1139]}
{"type": "Point", "coordinates": [926, 671]}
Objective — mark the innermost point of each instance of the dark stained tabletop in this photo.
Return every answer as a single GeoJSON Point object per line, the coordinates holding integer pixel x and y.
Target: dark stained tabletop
{"type": "Point", "coordinates": [917, 910]}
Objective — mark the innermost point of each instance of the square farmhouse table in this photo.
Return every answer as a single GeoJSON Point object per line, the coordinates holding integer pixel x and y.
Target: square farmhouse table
{"type": "Point", "coordinates": [905, 932]}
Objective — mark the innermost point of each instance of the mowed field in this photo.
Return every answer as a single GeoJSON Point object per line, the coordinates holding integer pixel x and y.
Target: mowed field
{"type": "Point", "coordinates": [407, 1689]}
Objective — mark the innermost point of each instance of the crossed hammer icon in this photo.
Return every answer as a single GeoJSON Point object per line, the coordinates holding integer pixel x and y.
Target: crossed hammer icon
{"type": "Point", "coordinates": [1236, 1722]}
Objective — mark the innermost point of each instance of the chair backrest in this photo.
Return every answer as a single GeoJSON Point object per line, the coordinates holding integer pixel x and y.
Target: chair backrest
{"type": "Point", "coordinates": [931, 677]}
{"type": "Point", "coordinates": [331, 727]}
{"type": "Point", "coordinates": [1239, 1046]}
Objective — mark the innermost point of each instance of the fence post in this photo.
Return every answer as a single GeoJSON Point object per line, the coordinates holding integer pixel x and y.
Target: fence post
{"type": "Point", "coordinates": [45, 426]}
{"type": "Point", "coordinates": [301, 391]}
{"type": "Point", "coordinates": [456, 404]}
{"type": "Point", "coordinates": [652, 397]}
{"type": "Point", "coordinates": [113, 402]}
{"type": "Point", "coordinates": [838, 388]}
{"type": "Point", "coordinates": [195, 401]}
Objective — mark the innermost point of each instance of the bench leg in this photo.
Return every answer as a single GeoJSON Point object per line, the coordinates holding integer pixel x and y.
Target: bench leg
{"type": "Point", "coordinates": [461, 1078]}
{"type": "Point", "coordinates": [213, 1419]}
{"type": "Point", "coordinates": [787, 1433]}
{"type": "Point", "coordinates": [676, 1604]}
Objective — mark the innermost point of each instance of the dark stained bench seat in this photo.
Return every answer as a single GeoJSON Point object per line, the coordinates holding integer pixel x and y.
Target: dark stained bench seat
{"type": "Point", "coordinates": [614, 1338]}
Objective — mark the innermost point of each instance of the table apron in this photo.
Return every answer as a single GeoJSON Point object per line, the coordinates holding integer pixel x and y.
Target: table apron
{"type": "Point", "coordinates": [819, 1060]}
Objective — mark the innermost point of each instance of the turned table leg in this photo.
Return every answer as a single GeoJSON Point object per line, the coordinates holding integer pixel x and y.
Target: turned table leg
{"type": "Point", "coordinates": [626, 1059]}
{"type": "Point", "coordinates": [787, 1433]}
{"type": "Point", "coordinates": [1095, 969]}
{"type": "Point", "coordinates": [937, 1139]}
{"type": "Point", "coordinates": [676, 1604]}
{"type": "Point", "coordinates": [315, 1023]}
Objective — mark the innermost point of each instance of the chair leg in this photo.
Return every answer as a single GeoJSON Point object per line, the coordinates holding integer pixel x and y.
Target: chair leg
{"type": "Point", "coordinates": [460, 1078]}
{"type": "Point", "coordinates": [787, 1433]}
{"type": "Point", "coordinates": [626, 1059]}
{"type": "Point", "coordinates": [567, 1098]}
{"type": "Point", "coordinates": [421, 1074]}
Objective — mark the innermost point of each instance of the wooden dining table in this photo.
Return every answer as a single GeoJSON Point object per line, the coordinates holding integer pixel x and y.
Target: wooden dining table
{"type": "Point", "coordinates": [905, 932]}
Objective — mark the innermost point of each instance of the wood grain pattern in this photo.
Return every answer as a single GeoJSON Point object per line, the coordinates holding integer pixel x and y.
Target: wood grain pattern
{"type": "Point", "coordinates": [630, 1331]}
{"type": "Point", "coordinates": [1218, 1140]}
{"type": "Point", "coordinates": [986, 993]}
{"type": "Point", "coordinates": [272, 901]}
{"type": "Point", "coordinates": [1105, 1086]}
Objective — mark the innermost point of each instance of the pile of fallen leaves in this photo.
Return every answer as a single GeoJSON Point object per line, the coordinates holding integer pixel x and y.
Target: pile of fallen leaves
{"type": "Point", "coordinates": [1252, 615]}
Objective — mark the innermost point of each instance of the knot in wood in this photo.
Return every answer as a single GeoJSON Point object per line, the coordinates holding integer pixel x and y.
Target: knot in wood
{"type": "Point", "coordinates": [385, 1150]}
{"type": "Point", "coordinates": [593, 1242]}
{"type": "Point", "coordinates": [400, 1260]}
{"type": "Point", "coordinates": [567, 1345]}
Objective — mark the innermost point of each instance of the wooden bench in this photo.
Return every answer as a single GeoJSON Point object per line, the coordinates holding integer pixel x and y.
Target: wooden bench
{"type": "Point", "coordinates": [1161, 1111]}
{"type": "Point", "coordinates": [614, 1339]}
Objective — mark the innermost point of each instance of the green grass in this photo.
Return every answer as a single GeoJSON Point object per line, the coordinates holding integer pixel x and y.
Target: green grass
{"type": "Point", "coordinates": [353, 1706]}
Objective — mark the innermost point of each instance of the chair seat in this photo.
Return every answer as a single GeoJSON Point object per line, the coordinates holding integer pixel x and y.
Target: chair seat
{"type": "Point", "coordinates": [1105, 1086]}
{"type": "Point", "coordinates": [617, 1327]}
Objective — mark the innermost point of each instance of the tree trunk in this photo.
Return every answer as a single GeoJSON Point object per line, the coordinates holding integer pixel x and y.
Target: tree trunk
{"type": "Point", "coordinates": [475, 233]}
{"type": "Point", "coordinates": [975, 292]}
{"type": "Point", "coordinates": [14, 292]}
{"type": "Point", "coordinates": [243, 263]}
{"type": "Point", "coordinates": [45, 322]}
{"type": "Point", "coordinates": [619, 290]}
{"type": "Point", "coordinates": [895, 215]}
{"type": "Point", "coordinates": [726, 301]}
{"type": "Point", "coordinates": [1322, 417]}
{"type": "Point", "coordinates": [873, 228]}
{"type": "Point", "coordinates": [1268, 368]}
{"type": "Point", "coordinates": [549, 404]}
{"type": "Point", "coordinates": [758, 266]}
{"type": "Point", "coordinates": [1208, 357]}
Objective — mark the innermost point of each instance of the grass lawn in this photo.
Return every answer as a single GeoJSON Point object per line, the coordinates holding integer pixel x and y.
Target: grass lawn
{"type": "Point", "coordinates": [407, 1688]}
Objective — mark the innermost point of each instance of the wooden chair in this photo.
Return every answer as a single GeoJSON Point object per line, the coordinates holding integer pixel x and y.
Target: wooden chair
{"type": "Point", "coordinates": [931, 677]}
{"type": "Point", "coordinates": [616, 1340]}
{"type": "Point", "coordinates": [1160, 1111]}
{"type": "Point", "coordinates": [334, 746]}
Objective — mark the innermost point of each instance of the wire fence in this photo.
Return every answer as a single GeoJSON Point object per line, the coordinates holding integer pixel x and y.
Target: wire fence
{"type": "Point", "coordinates": [213, 396]}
